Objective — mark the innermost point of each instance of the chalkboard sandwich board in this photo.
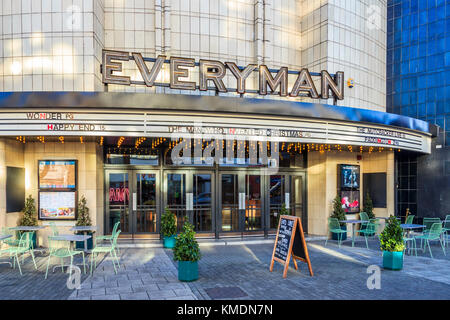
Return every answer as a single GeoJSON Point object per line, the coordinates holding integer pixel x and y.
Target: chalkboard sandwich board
{"type": "Point", "coordinates": [290, 242]}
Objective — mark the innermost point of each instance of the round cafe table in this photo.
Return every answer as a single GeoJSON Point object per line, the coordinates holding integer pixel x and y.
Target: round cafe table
{"type": "Point", "coordinates": [85, 230]}
{"type": "Point", "coordinates": [30, 229]}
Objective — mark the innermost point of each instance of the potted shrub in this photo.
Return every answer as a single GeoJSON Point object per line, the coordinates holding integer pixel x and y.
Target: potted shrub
{"type": "Point", "coordinates": [29, 217]}
{"type": "Point", "coordinates": [283, 212]}
{"type": "Point", "coordinates": [338, 213]}
{"type": "Point", "coordinates": [368, 208]}
{"type": "Point", "coordinates": [187, 253]}
{"type": "Point", "coordinates": [168, 228]}
{"type": "Point", "coordinates": [392, 245]}
{"type": "Point", "coordinates": [83, 219]}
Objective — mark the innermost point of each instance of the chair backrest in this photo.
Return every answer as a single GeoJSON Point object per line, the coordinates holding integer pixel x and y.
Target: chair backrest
{"type": "Point", "coordinates": [55, 231]}
{"type": "Point", "coordinates": [436, 229]}
{"type": "Point", "coordinates": [54, 245]}
{"type": "Point", "coordinates": [363, 216]}
{"type": "Point", "coordinates": [114, 242]}
{"type": "Point", "coordinates": [24, 241]}
{"type": "Point", "coordinates": [410, 219]}
{"type": "Point", "coordinates": [447, 222]}
{"type": "Point", "coordinates": [428, 222]}
{"type": "Point", "coordinates": [116, 226]}
{"type": "Point", "coordinates": [333, 223]}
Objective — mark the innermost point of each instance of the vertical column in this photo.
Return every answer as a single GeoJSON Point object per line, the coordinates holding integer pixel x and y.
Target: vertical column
{"type": "Point", "coordinates": [259, 31]}
{"type": "Point", "coordinates": [268, 32]}
{"type": "Point", "coordinates": [2, 184]}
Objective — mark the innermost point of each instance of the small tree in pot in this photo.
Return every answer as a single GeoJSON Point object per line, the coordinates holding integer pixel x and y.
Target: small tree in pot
{"type": "Point", "coordinates": [392, 245]}
{"type": "Point", "coordinates": [187, 253]}
{"type": "Point", "coordinates": [83, 219]}
{"type": "Point", "coordinates": [368, 208]}
{"type": "Point", "coordinates": [29, 217]}
{"type": "Point", "coordinates": [168, 228]}
{"type": "Point", "coordinates": [338, 213]}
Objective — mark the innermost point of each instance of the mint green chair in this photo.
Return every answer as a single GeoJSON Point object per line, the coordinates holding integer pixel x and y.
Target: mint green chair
{"type": "Point", "coordinates": [22, 248]}
{"type": "Point", "coordinates": [335, 226]}
{"type": "Point", "coordinates": [111, 249]}
{"type": "Point", "coordinates": [446, 229]}
{"type": "Point", "coordinates": [55, 231]}
{"type": "Point", "coordinates": [109, 237]}
{"type": "Point", "coordinates": [434, 233]}
{"type": "Point", "coordinates": [10, 241]}
{"type": "Point", "coordinates": [62, 252]}
{"type": "Point", "coordinates": [410, 219]}
{"type": "Point", "coordinates": [369, 231]}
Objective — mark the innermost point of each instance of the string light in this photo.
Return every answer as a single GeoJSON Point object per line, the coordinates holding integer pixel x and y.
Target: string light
{"type": "Point", "coordinates": [61, 138]}
{"type": "Point", "coordinates": [119, 143]}
{"type": "Point", "coordinates": [81, 139]}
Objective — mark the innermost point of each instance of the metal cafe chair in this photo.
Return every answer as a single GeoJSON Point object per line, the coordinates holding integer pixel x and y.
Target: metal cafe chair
{"type": "Point", "coordinates": [446, 229]}
{"type": "Point", "coordinates": [111, 249]}
{"type": "Point", "coordinates": [22, 248]}
{"type": "Point", "coordinates": [335, 226]}
{"type": "Point", "coordinates": [61, 253]}
{"type": "Point", "coordinates": [434, 233]}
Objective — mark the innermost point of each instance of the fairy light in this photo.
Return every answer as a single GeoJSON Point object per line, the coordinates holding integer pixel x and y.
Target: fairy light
{"type": "Point", "coordinates": [101, 141]}
{"type": "Point", "coordinates": [61, 138]}
{"type": "Point", "coordinates": [119, 143]}
{"type": "Point", "coordinates": [81, 139]}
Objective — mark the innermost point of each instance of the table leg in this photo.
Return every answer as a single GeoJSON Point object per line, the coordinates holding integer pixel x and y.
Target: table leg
{"type": "Point", "coordinates": [85, 242]}
{"type": "Point", "coordinates": [353, 234]}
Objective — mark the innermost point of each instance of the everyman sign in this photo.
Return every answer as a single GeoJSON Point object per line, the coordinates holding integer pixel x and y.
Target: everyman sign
{"type": "Point", "coordinates": [212, 71]}
{"type": "Point", "coordinates": [290, 242]}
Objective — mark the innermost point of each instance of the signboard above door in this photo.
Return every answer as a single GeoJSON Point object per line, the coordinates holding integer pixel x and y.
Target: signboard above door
{"type": "Point", "coordinates": [212, 71]}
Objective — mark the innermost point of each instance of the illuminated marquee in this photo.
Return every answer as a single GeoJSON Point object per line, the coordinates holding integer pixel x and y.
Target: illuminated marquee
{"type": "Point", "coordinates": [214, 71]}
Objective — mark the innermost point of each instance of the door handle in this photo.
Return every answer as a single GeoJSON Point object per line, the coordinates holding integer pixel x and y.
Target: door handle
{"type": "Point", "coordinates": [134, 201]}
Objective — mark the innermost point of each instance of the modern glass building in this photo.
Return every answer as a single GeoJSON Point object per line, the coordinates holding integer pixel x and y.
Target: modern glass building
{"type": "Point", "coordinates": [418, 86]}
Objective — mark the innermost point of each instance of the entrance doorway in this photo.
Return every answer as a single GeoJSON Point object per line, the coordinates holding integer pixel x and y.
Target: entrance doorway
{"type": "Point", "coordinates": [133, 199]}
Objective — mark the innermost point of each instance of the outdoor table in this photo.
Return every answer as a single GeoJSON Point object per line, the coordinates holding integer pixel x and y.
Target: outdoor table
{"type": "Point", "coordinates": [30, 228]}
{"type": "Point", "coordinates": [71, 238]}
{"type": "Point", "coordinates": [353, 223]}
{"type": "Point", "coordinates": [85, 230]}
{"type": "Point", "coordinates": [410, 227]}
{"type": "Point", "coordinates": [4, 237]}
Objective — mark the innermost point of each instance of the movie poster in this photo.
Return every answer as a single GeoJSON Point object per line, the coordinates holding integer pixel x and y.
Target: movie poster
{"type": "Point", "coordinates": [57, 205]}
{"type": "Point", "coordinates": [350, 201]}
{"type": "Point", "coordinates": [349, 177]}
{"type": "Point", "coordinates": [54, 174]}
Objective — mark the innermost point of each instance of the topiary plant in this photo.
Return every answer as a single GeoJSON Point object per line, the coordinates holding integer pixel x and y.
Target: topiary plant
{"type": "Point", "coordinates": [338, 212]}
{"type": "Point", "coordinates": [391, 239]}
{"type": "Point", "coordinates": [283, 212]}
{"type": "Point", "coordinates": [29, 213]}
{"type": "Point", "coordinates": [168, 223]}
{"type": "Point", "coordinates": [368, 206]}
{"type": "Point", "coordinates": [83, 218]}
{"type": "Point", "coordinates": [186, 247]}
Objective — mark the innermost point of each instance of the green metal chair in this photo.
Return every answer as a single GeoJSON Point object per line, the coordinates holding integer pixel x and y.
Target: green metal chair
{"type": "Point", "coordinates": [10, 241]}
{"type": "Point", "coordinates": [109, 237]}
{"type": "Point", "coordinates": [335, 226]}
{"type": "Point", "coordinates": [62, 252]}
{"type": "Point", "coordinates": [22, 248]}
{"type": "Point", "coordinates": [434, 233]}
{"type": "Point", "coordinates": [369, 231]}
{"type": "Point", "coordinates": [111, 249]}
{"type": "Point", "coordinates": [410, 219]}
{"type": "Point", "coordinates": [446, 229]}
{"type": "Point", "coordinates": [55, 231]}
{"type": "Point", "coordinates": [428, 222]}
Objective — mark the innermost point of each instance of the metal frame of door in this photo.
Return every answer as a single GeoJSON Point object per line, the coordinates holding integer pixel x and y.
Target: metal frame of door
{"type": "Point", "coordinates": [189, 185]}
{"type": "Point", "coordinates": [241, 175]}
{"type": "Point", "coordinates": [131, 206]}
{"type": "Point", "coordinates": [288, 188]}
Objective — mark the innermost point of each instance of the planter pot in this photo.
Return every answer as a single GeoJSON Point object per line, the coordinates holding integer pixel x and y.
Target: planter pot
{"type": "Point", "coordinates": [187, 270]}
{"type": "Point", "coordinates": [393, 260]}
{"type": "Point", "coordinates": [169, 242]}
{"type": "Point", "coordinates": [335, 236]}
{"type": "Point", "coordinates": [80, 244]}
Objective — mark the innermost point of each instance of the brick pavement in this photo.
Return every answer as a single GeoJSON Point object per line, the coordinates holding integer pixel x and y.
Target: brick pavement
{"type": "Point", "coordinates": [150, 273]}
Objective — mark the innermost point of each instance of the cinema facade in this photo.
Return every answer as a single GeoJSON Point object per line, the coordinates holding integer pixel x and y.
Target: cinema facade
{"type": "Point", "coordinates": [225, 143]}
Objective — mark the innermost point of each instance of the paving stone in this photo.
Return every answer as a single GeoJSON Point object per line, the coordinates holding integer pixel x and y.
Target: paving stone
{"type": "Point", "coordinates": [106, 297]}
{"type": "Point", "coordinates": [119, 290]}
{"type": "Point", "coordinates": [161, 293]}
{"type": "Point", "coordinates": [134, 296]}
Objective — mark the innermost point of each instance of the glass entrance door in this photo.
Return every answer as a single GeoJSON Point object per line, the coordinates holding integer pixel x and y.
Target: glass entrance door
{"type": "Point", "coordinates": [229, 203]}
{"type": "Point", "coordinates": [147, 203]}
{"type": "Point", "coordinates": [133, 199]}
{"type": "Point", "coordinates": [202, 189]}
{"type": "Point", "coordinates": [118, 206]}
{"type": "Point", "coordinates": [297, 198]}
{"type": "Point", "coordinates": [175, 196]}
{"type": "Point", "coordinates": [253, 203]}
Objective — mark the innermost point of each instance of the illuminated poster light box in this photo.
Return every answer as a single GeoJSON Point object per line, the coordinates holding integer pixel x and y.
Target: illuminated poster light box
{"type": "Point", "coordinates": [57, 205]}
{"type": "Point", "coordinates": [57, 174]}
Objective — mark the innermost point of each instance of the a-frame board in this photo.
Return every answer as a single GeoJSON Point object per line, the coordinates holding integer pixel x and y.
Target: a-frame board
{"type": "Point", "coordinates": [290, 242]}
